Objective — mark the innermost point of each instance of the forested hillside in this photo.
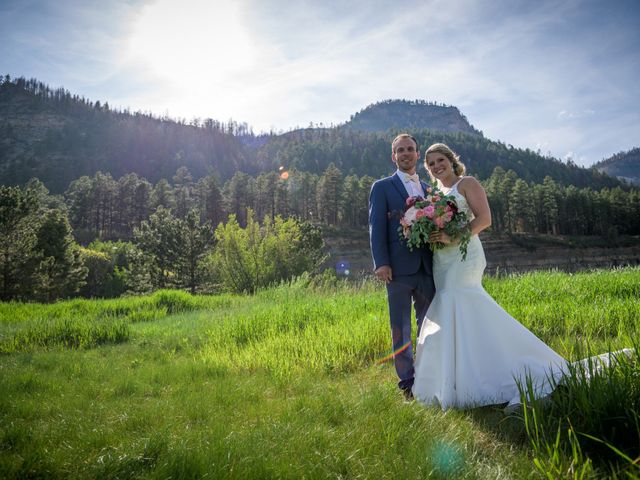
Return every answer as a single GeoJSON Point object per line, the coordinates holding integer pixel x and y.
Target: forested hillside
{"type": "Point", "coordinates": [58, 137]}
{"type": "Point", "coordinates": [623, 165]}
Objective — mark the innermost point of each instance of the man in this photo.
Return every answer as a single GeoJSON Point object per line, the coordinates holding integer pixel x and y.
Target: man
{"type": "Point", "coordinates": [407, 274]}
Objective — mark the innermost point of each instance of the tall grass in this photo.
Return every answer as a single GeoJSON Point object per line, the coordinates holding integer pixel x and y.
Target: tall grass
{"type": "Point", "coordinates": [286, 384]}
{"type": "Point", "coordinates": [592, 413]}
{"type": "Point", "coordinates": [89, 323]}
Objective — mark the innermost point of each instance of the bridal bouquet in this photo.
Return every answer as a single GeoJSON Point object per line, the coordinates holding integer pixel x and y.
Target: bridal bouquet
{"type": "Point", "coordinates": [431, 214]}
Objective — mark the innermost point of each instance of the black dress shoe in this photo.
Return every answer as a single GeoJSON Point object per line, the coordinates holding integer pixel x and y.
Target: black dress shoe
{"type": "Point", "coordinates": [408, 394]}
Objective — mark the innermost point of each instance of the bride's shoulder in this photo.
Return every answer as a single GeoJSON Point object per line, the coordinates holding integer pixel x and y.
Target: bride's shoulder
{"type": "Point", "coordinates": [468, 181]}
{"type": "Point", "coordinates": [469, 184]}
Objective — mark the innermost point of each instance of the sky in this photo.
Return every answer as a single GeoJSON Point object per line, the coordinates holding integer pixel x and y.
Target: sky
{"type": "Point", "coordinates": [558, 77]}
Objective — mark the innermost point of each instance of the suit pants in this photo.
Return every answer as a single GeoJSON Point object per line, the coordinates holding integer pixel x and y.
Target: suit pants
{"type": "Point", "coordinates": [402, 292]}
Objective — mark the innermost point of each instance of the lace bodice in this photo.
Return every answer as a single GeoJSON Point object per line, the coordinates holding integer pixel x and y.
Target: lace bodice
{"type": "Point", "coordinates": [463, 205]}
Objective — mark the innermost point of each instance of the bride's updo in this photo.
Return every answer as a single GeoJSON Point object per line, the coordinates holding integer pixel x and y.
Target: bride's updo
{"type": "Point", "coordinates": [457, 165]}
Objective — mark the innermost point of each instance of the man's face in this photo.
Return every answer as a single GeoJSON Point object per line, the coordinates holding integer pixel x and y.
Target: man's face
{"type": "Point", "coordinates": [405, 155]}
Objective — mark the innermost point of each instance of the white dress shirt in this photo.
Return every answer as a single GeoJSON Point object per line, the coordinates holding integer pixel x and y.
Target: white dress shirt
{"type": "Point", "coordinates": [411, 183]}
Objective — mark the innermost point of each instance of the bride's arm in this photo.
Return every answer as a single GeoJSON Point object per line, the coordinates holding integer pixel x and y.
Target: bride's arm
{"type": "Point", "coordinates": [477, 200]}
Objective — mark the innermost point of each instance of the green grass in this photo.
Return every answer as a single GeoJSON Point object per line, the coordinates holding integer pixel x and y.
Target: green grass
{"type": "Point", "coordinates": [281, 384]}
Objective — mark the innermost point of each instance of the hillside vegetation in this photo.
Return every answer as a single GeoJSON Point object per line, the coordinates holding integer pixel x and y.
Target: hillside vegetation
{"type": "Point", "coordinates": [57, 137]}
{"type": "Point", "coordinates": [623, 165]}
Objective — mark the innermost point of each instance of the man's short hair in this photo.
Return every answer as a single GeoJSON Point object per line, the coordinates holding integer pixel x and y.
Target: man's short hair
{"type": "Point", "coordinates": [401, 136]}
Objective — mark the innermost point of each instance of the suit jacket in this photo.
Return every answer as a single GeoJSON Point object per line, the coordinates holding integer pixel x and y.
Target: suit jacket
{"type": "Point", "coordinates": [386, 205]}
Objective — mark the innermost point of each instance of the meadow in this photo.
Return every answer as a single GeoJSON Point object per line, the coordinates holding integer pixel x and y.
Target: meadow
{"type": "Point", "coordinates": [288, 383]}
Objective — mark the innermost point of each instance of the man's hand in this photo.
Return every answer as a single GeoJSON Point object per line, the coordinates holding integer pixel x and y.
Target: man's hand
{"type": "Point", "coordinates": [384, 273]}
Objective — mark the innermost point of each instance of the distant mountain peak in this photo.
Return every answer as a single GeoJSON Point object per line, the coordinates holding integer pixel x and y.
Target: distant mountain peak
{"type": "Point", "coordinates": [623, 165]}
{"type": "Point", "coordinates": [410, 115]}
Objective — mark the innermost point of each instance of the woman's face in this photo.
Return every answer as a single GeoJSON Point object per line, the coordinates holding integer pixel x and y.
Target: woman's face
{"type": "Point", "coordinates": [439, 165]}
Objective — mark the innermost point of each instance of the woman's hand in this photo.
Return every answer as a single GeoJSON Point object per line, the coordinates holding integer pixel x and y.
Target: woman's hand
{"type": "Point", "coordinates": [440, 237]}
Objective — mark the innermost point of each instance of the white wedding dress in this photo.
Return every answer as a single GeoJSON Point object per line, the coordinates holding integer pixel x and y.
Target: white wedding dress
{"type": "Point", "coordinates": [470, 351]}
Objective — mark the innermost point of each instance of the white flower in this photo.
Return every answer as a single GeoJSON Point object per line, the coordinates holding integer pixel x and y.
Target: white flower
{"type": "Point", "coordinates": [410, 215]}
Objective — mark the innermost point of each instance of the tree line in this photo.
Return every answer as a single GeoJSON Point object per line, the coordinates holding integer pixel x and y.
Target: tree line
{"type": "Point", "coordinates": [105, 237]}
{"type": "Point", "coordinates": [108, 209]}
{"type": "Point", "coordinates": [41, 260]}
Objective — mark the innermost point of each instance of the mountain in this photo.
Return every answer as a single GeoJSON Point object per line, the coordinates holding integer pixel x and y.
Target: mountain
{"type": "Point", "coordinates": [623, 165]}
{"type": "Point", "coordinates": [410, 115]}
{"type": "Point", "coordinates": [58, 137]}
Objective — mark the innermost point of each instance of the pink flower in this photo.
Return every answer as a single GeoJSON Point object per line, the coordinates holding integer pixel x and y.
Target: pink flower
{"type": "Point", "coordinates": [429, 211]}
{"type": "Point", "coordinates": [439, 221]}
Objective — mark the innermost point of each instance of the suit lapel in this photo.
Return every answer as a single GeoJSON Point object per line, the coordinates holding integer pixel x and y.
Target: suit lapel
{"type": "Point", "coordinates": [397, 183]}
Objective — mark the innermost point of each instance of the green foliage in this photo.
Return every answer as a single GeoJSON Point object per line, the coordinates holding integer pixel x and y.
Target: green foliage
{"type": "Point", "coordinates": [18, 260]}
{"type": "Point", "coordinates": [38, 256]}
{"type": "Point", "coordinates": [246, 259]}
{"type": "Point", "coordinates": [159, 239]}
{"type": "Point", "coordinates": [123, 268]}
{"type": "Point", "coordinates": [60, 272]}
{"type": "Point", "coordinates": [101, 279]}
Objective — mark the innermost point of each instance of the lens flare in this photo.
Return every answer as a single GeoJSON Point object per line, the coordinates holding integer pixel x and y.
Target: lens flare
{"type": "Point", "coordinates": [447, 458]}
{"type": "Point", "coordinates": [393, 354]}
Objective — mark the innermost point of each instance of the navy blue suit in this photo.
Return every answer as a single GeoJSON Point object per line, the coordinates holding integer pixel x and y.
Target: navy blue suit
{"type": "Point", "coordinates": [412, 278]}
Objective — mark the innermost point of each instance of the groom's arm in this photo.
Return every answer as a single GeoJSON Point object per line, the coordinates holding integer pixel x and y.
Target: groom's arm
{"type": "Point", "coordinates": [378, 227]}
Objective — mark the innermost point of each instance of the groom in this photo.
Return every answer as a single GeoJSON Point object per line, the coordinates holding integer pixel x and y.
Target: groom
{"type": "Point", "coordinates": [407, 274]}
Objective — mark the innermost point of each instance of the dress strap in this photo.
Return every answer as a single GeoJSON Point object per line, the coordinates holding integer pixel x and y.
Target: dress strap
{"type": "Point", "coordinates": [455, 185]}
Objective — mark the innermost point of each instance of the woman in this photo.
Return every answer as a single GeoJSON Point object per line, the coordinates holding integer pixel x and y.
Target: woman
{"type": "Point", "coordinates": [470, 351]}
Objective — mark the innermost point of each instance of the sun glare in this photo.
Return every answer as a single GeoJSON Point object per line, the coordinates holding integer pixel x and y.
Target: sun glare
{"type": "Point", "coordinates": [192, 42]}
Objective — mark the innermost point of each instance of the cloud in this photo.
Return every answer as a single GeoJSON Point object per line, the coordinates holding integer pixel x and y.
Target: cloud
{"type": "Point", "coordinates": [561, 75]}
{"type": "Point", "coordinates": [565, 115]}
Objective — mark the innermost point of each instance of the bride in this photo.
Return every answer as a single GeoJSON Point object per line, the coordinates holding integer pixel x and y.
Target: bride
{"type": "Point", "coordinates": [470, 351]}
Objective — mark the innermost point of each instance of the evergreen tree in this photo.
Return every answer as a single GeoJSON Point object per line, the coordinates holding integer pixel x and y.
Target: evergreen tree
{"type": "Point", "coordinates": [159, 238]}
{"type": "Point", "coordinates": [549, 192]}
{"type": "Point", "coordinates": [521, 206]}
{"type": "Point", "coordinates": [183, 192]}
{"type": "Point", "coordinates": [162, 195]}
{"type": "Point", "coordinates": [79, 200]}
{"type": "Point", "coordinates": [239, 193]}
{"type": "Point", "coordinates": [210, 201]}
{"type": "Point", "coordinates": [18, 257]}
{"type": "Point", "coordinates": [329, 195]}
{"type": "Point", "coordinates": [60, 273]}
{"type": "Point", "coordinates": [195, 240]}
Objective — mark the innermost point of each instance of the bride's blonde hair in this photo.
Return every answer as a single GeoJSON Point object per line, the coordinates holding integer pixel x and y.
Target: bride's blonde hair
{"type": "Point", "coordinates": [458, 167]}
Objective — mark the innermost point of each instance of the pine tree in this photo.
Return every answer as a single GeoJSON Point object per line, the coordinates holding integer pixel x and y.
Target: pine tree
{"type": "Point", "coordinates": [210, 200]}
{"type": "Point", "coordinates": [61, 272]}
{"type": "Point", "coordinates": [329, 195]}
{"type": "Point", "coordinates": [195, 240]}
{"type": "Point", "coordinates": [521, 206]}
{"type": "Point", "coordinates": [18, 257]}
{"type": "Point", "coordinates": [159, 238]}
{"type": "Point", "coordinates": [183, 192]}
{"type": "Point", "coordinates": [239, 193]}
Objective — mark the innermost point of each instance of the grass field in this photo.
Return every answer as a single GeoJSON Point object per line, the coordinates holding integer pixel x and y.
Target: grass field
{"type": "Point", "coordinates": [286, 384]}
